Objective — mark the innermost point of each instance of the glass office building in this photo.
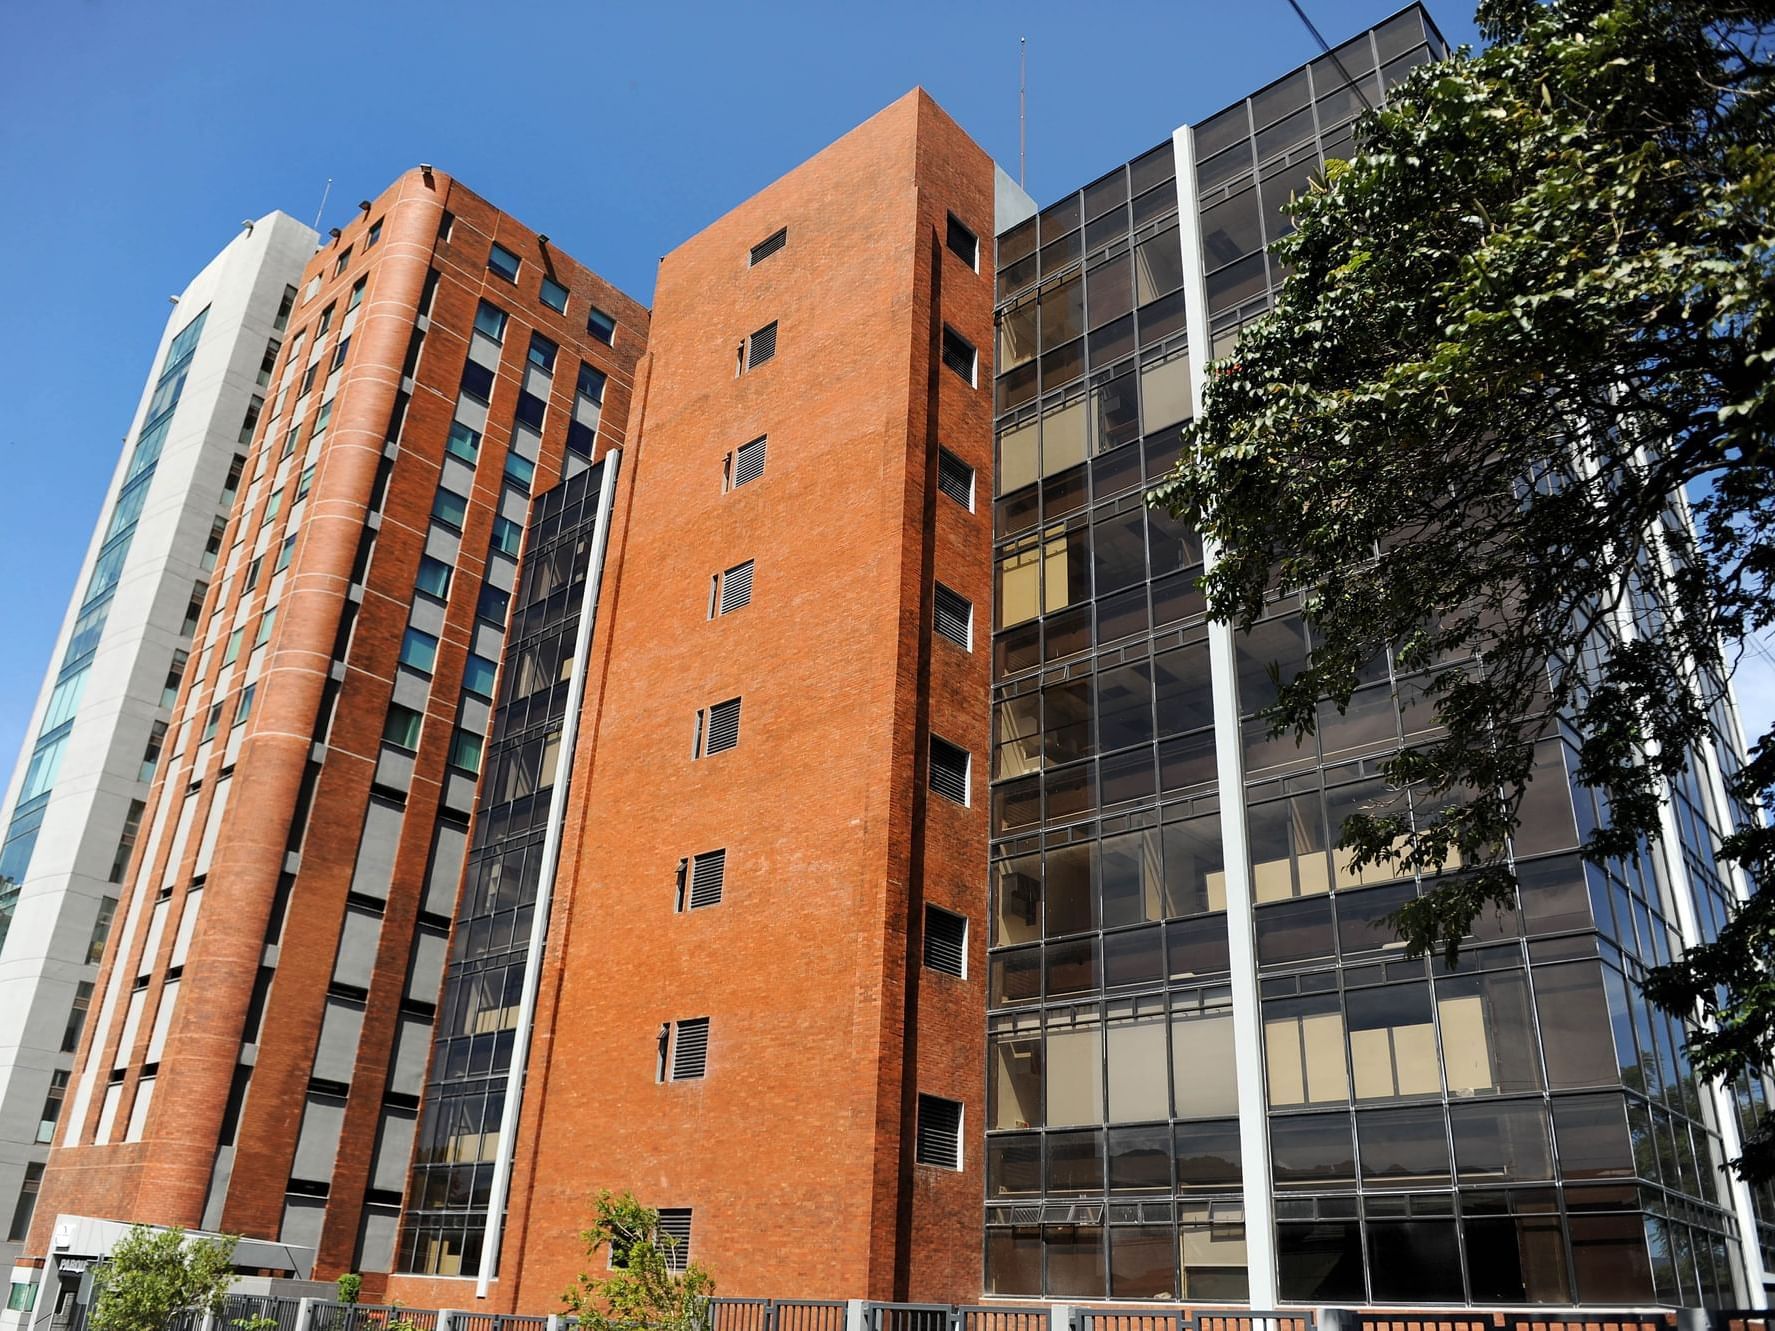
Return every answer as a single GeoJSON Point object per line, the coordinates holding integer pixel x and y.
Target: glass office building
{"type": "Point", "coordinates": [1212, 1073]}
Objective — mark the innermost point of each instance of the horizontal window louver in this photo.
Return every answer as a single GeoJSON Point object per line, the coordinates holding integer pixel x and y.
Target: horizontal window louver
{"type": "Point", "coordinates": [723, 731]}
{"type": "Point", "coordinates": [949, 770]}
{"type": "Point", "coordinates": [963, 243]}
{"type": "Point", "coordinates": [939, 1132]}
{"type": "Point", "coordinates": [761, 346]}
{"type": "Point", "coordinates": [945, 940]}
{"type": "Point", "coordinates": [690, 1049]}
{"type": "Point", "coordinates": [769, 245]}
{"type": "Point", "coordinates": [708, 873]}
{"type": "Point", "coordinates": [736, 588]}
{"type": "Point", "coordinates": [748, 462]}
{"type": "Point", "coordinates": [955, 618]}
{"type": "Point", "coordinates": [955, 478]}
{"type": "Point", "coordinates": [674, 1237]}
{"type": "Point", "coordinates": [958, 354]}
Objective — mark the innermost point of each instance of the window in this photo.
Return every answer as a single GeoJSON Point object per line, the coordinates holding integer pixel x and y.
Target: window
{"type": "Point", "coordinates": [759, 347]}
{"type": "Point", "coordinates": [151, 753]}
{"type": "Point", "coordinates": [305, 482]}
{"type": "Point", "coordinates": [169, 692]}
{"type": "Point", "coordinates": [508, 536]}
{"type": "Point", "coordinates": [717, 728]}
{"type": "Point", "coordinates": [465, 751]}
{"type": "Point", "coordinates": [232, 651]}
{"type": "Point", "coordinates": [731, 590]}
{"type": "Point", "coordinates": [477, 381]}
{"type": "Point", "coordinates": [939, 1132]}
{"type": "Point", "coordinates": [287, 549]}
{"type": "Point", "coordinates": [746, 464]}
{"type": "Point", "coordinates": [590, 385]}
{"type": "Point", "coordinates": [132, 828]}
{"type": "Point", "coordinates": [211, 723]}
{"type": "Point", "coordinates": [700, 880]}
{"type": "Point", "coordinates": [402, 727]}
{"type": "Point", "coordinates": [542, 353]}
{"type": "Point", "coordinates": [252, 575]}
{"type": "Point", "coordinates": [674, 1237]}
{"type": "Point", "coordinates": [504, 262]}
{"type": "Point", "coordinates": [101, 924]}
{"type": "Point", "coordinates": [955, 618]}
{"type": "Point", "coordinates": [769, 246]}
{"type": "Point", "coordinates": [949, 770]}
{"type": "Point", "coordinates": [959, 355]}
{"type": "Point", "coordinates": [946, 941]}
{"type": "Point", "coordinates": [266, 620]}
{"type": "Point", "coordinates": [419, 651]}
{"type": "Point", "coordinates": [326, 322]}
{"type": "Point", "coordinates": [601, 326]}
{"type": "Point", "coordinates": [373, 235]}
{"type": "Point", "coordinates": [434, 577]}
{"type": "Point", "coordinates": [449, 507]}
{"type": "Point", "coordinates": [343, 259]}
{"type": "Point", "coordinates": [493, 604]}
{"type": "Point", "coordinates": [23, 1296]}
{"type": "Point", "coordinates": [357, 293]}
{"type": "Point", "coordinates": [463, 442]}
{"type": "Point", "coordinates": [955, 478]}
{"type": "Point", "coordinates": [963, 243]}
{"type": "Point", "coordinates": [690, 1049]}
{"type": "Point", "coordinates": [76, 1017]}
{"type": "Point", "coordinates": [478, 675]}
{"type": "Point", "coordinates": [244, 708]}
{"type": "Point", "coordinates": [490, 320]}
{"type": "Point", "coordinates": [554, 295]}
{"type": "Point", "coordinates": [27, 1202]}
{"type": "Point", "coordinates": [446, 224]}
{"type": "Point", "coordinates": [518, 468]}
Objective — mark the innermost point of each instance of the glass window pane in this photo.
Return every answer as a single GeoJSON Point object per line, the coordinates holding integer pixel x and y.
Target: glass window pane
{"type": "Point", "coordinates": [1208, 1156]}
{"type": "Point", "coordinates": [1202, 1080]}
{"type": "Point", "coordinates": [1573, 1015]}
{"type": "Point", "coordinates": [1017, 895]}
{"type": "Point", "coordinates": [1320, 1263]}
{"type": "Point", "coordinates": [1488, 1033]}
{"type": "Point", "coordinates": [1304, 1050]}
{"type": "Point", "coordinates": [1501, 1141]}
{"type": "Point", "coordinates": [1133, 875]}
{"type": "Point", "coordinates": [1075, 1076]}
{"type": "Point", "coordinates": [1016, 1087]}
{"type": "Point", "coordinates": [1075, 1162]}
{"type": "Point", "coordinates": [1067, 890]}
{"type": "Point", "coordinates": [1140, 1159]}
{"type": "Point", "coordinates": [1109, 290]}
{"type": "Point", "coordinates": [1230, 230]}
{"type": "Point", "coordinates": [1413, 1261]}
{"type": "Point", "coordinates": [1118, 544]}
{"type": "Point", "coordinates": [1294, 931]}
{"type": "Point", "coordinates": [1063, 313]}
{"type": "Point", "coordinates": [1142, 1264]}
{"type": "Point", "coordinates": [1403, 1148]}
{"type": "Point", "coordinates": [1392, 1041]}
{"type": "Point", "coordinates": [1014, 1262]}
{"type": "Point", "coordinates": [1075, 1260]}
{"type": "Point", "coordinates": [1195, 867]}
{"type": "Point", "coordinates": [1158, 266]}
{"type": "Point", "coordinates": [1519, 1259]}
{"type": "Point", "coordinates": [1592, 1134]}
{"type": "Point", "coordinates": [1137, 1082]}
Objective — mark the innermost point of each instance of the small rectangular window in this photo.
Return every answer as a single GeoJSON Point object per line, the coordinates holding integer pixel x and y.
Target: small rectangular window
{"type": "Point", "coordinates": [446, 225]}
{"type": "Point", "coordinates": [955, 478]}
{"type": "Point", "coordinates": [946, 941]}
{"type": "Point", "coordinates": [211, 723]}
{"type": "Point", "coordinates": [733, 589]}
{"type": "Point", "coordinates": [357, 294]}
{"type": "Point", "coordinates": [554, 295]}
{"type": "Point", "coordinates": [284, 553]}
{"type": "Point", "coordinates": [746, 463]}
{"type": "Point", "coordinates": [954, 618]}
{"type": "Point", "coordinates": [402, 726]}
{"type": "Point", "coordinates": [939, 1132]}
{"type": "Point", "coordinates": [449, 507]}
{"type": "Point", "coordinates": [591, 383]}
{"type": "Point", "coordinates": [419, 650]}
{"type": "Point", "coordinates": [963, 243]}
{"type": "Point", "coordinates": [434, 577]}
{"type": "Point", "coordinates": [465, 751]}
{"type": "Point", "coordinates": [706, 875]}
{"type": "Point", "coordinates": [508, 536]}
{"type": "Point", "coordinates": [344, 258]}
{"type": "Point", "coordinates": [960, 356]}
{"type": "Point", "coordinates": [126, 843]}
{"type": "Point", "coordinates": [674, 1237]}
{"type": "Point", "coordinates": [463, 442]}
{"type": "Point", "coordinates": [101, 925]}
{"type": "Point", "coordinates": [477, 381]}
{"type": "Point", "coordinates": [769, 246]}
{"type": "Point", "coordinates": [949, 770]}
{"type": "Point", "coordinates": [504, 262]}
{"type": "Point", "coordinates": [27, 1203]}
{"type": "Point", "coordinates": [491, 320]}
{"type": "Point", "coordinates": [542, 353]}
{"type": "Point", "coordinates": [601, 326]}
{"type": "Point", "coordinates": [718, 728]}
{"type": "Point", "coordinates": [373, 235]}
{"type": "Point", "coordinates": [244, 708]}
{"type": "Point", "coordinates": [478, 676]}
{"type": "Point", "coordinates": [761, 346]}
{"type": "Point", "coordinates": [690, 1049]}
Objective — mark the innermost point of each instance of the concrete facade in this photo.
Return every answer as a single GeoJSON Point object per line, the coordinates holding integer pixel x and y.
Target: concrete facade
{"type": "Point", "coordinates": [68, 808]}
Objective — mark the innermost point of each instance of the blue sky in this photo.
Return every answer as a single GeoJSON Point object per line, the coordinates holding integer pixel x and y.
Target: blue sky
{"type": "Point", "coordinates": [134, 137]}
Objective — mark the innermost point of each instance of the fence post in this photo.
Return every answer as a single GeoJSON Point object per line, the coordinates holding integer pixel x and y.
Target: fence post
{"type": "Point", "coordinates": [1060, 1317]}
{"type": "Point", "coordinates": [1337, 1319]}
{"type": "Point", "coordinates": [443, 1319]}
{"type": "Point", "coordinates": [554, 1322]}
{"type": "Point", "coordinates": [305, 1314]}
{"type": "Point", "coordinates": [856, 1315]}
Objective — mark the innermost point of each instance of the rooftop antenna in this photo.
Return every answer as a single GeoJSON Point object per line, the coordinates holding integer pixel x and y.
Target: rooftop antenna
{"type": "Point", "coordinates": [323, 203]}
{"type": "Point", "coordinates": [1022, 109]}
{"type": "Point", "coordinates": [1325, 47]}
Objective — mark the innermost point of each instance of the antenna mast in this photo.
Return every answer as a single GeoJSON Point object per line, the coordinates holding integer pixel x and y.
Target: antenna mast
{"type": "Point", "coordinates": [1022, 110]}
{"type": "Point", "coordinates": [323, 203]}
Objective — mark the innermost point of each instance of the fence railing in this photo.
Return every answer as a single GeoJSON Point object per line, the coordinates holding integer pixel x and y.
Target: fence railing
{"type": "Point", "coordinates": [252, 1312]}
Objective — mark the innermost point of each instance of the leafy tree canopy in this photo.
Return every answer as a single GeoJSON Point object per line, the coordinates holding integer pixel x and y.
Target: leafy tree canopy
{"type": "Point", "coordinates": [1532, 313]}
{"type": "Point", "coordinates": [647, 1286]}
{"type": "Point", "coordinates": [153, 1273]}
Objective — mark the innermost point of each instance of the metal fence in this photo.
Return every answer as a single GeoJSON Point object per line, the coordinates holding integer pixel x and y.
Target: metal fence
{"type": "Point", "coordinates": [242, 1312]}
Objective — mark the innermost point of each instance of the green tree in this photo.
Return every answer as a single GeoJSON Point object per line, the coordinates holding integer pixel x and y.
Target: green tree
{"type": "Point", "coordinates": [153, 1273]}
{"type": "Point", "coordinates": [350, 1286]}
{"type": "Point", "coordinates": [644, 1287]}
{"type": "Point", "coordinates": [1534, 307]}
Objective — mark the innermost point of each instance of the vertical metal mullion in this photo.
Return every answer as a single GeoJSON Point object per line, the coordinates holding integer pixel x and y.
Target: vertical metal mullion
{"type": "Point", "coordinates": [1254, 1151]}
